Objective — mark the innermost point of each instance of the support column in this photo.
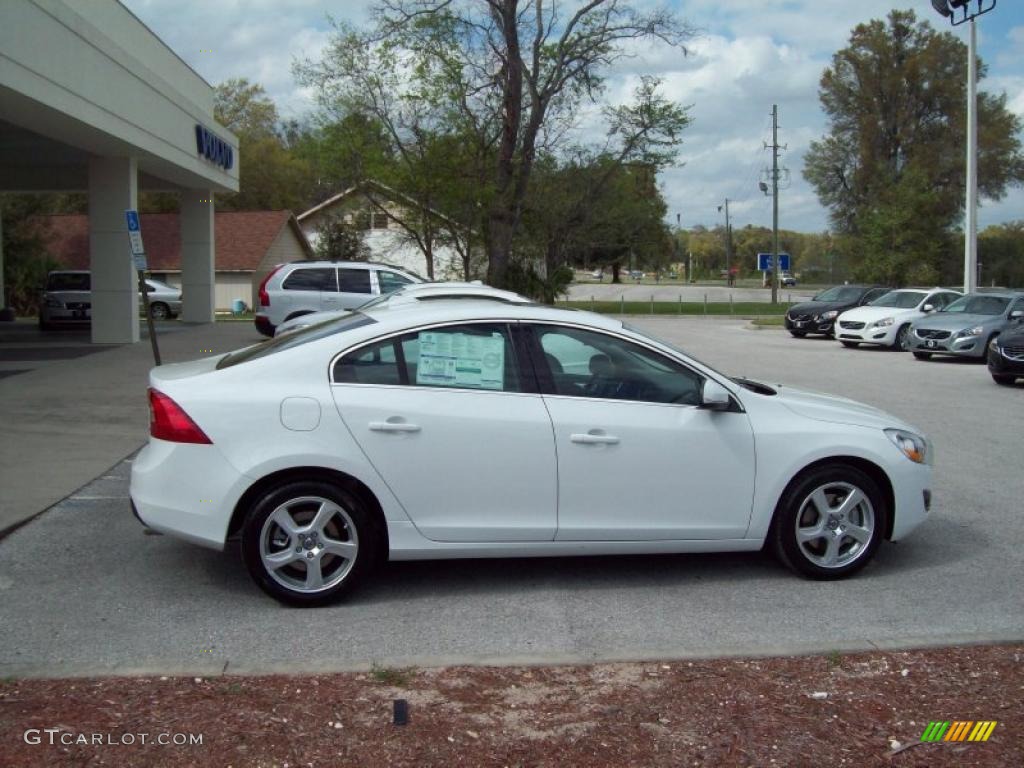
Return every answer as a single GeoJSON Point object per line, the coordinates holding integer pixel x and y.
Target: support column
{"type": "Point", "coordinates": [113, 189]}
{"type": "Point", "coordinates": [3, 295]}
{"type": "Point", "coordinates": [197, 256]}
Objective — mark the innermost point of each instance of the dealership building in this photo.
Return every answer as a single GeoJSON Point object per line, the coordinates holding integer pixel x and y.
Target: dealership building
{"type": "Point", "coordinates": [92, 101]}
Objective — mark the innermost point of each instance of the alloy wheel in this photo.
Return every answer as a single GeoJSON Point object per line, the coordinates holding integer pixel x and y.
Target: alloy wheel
{"type": "Point", "coordinates": [835, 525]}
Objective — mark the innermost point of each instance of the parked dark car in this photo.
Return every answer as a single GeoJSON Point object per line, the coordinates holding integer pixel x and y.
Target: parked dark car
{"type": "Point", "coordinates": [819, 314]}
{"type": "Point", "coordinates": [1006, 353]}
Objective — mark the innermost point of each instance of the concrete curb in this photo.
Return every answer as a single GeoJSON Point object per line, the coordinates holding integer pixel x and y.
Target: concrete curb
{"type": "Point", "coordinates": [229, 668]}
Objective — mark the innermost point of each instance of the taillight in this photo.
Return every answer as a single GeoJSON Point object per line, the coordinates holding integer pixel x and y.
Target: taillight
{"type": "Point", "coordinates": [167, 421]}
{"type": "Point", "coordinates": [264, 296]}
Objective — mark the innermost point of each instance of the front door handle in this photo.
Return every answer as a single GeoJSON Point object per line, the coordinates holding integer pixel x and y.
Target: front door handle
{"type": "Point", "coordinates": [393, 426]}
{"type": "Point", "coordinates": [594, 437]}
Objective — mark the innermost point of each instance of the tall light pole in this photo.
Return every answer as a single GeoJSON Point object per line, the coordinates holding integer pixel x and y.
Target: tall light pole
{"type": "Point", "coordinates": [958, 12]}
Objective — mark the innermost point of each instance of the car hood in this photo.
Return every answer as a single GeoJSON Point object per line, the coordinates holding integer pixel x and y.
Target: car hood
{"type": "Point", "coordinates": [837, 410]}
{"type": "Point", "coordinates": [954, 321]}
{"type": "Point", "coordinates": [1013, 334]}
{"type": "Point", "coordinates": [871, 314]}
{"type": "Point", "coordinates": [817, 307]}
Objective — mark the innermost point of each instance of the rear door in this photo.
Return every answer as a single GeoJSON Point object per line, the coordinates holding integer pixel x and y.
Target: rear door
{"type": "Point", "coordinates": [455, 428]}
{"type": "Point", "coordinates": [354, 287]}
{"type": "Point", "coordinates": [305, 288]}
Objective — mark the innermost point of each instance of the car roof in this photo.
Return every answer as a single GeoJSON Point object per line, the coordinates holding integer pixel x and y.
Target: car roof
{"type": "Point", "coordinates": [466, 309]}
{"type": "Point", "coordinates": [341, 263]}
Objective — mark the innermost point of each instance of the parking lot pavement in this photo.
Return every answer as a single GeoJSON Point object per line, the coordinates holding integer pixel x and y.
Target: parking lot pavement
{"type": "Point", "coordinates": [84, 590]}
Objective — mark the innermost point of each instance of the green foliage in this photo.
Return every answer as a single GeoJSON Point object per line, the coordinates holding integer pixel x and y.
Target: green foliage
{"type": "Point", "coordinates": [26, 261]}
{"type": "Point", "coordinates": [393, 676]}
{"type": "Point", "coordinates": [338, 240]}
{"type": "Point", "coordinates": [244, 108]}
{"type": "Point", "coordinates": [1001, 253]}
{"type": "Point", "coordinates": [893, 157]}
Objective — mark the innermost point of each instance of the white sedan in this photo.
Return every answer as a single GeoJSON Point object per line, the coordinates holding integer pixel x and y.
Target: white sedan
{"type": "Point", "coordinates": [480, 428]}
{"type": "Point", "coordinates": [886, 321]}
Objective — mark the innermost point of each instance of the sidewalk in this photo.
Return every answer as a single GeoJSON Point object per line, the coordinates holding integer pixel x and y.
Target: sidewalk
{"type": "Point", "coordinates": [64, 424]}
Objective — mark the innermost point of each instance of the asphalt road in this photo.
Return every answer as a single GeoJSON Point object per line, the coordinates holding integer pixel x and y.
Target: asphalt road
{"type": "Point", "coordinates": [83, 590]}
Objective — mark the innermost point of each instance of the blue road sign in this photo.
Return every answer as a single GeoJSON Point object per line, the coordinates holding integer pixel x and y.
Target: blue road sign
{"type": "Point", "coordinates": [134, 233]}
{"type": "Point", "coordinates": [764, 262]}
{"type": "Point", "coordinates": [132, 217]}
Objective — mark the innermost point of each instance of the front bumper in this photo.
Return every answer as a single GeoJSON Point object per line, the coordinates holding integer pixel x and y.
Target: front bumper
{"type": "Point", "coordinates": [970, 346]}
{"type": "Point", "coordinates": [999, 363]}
{"type": "Point", "coordinates": [809, 325]}
{"type": "Point", "coordinates": [912, 491]}
{"type": "Point", "coordinates": [884, 335]}
{"type": "Point", "coordinates": [63, 315]}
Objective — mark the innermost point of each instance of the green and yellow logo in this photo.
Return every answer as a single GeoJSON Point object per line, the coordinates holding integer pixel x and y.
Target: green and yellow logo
{"type": "Point", "coordinates": [959, 730]}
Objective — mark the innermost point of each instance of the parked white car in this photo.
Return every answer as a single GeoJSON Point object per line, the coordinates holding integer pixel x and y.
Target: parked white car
{"type": "Point", "coordinates": [480, 428]}
{"type": "Point", "coordinates": [408, 294]}
{"type": "Point", "coordinates": [886, 321]}
{"type": "Point", "coordinates": [304, 287]}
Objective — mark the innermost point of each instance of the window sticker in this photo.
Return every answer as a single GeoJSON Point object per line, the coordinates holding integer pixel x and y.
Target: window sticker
{"type": "Point", "coordinates": [461, 360]}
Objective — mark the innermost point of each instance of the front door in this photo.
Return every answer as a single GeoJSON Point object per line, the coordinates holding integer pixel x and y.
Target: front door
{"type": "Point", "coordinates": [443, 417]}
{"type": "Point", "coordinates": [637, 458]}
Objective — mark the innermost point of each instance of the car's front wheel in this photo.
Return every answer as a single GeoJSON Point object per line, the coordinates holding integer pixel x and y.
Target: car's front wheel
{"type": "Point", "coordinates": [923, 355]}
{"type": "Point", "coordinates": [159, 311]}
{"type": "Point", "coordinates": [850, 344]}
{"type": "Point", "coordinates": [901, 341]}
{"type": "Point", "coordinates": [1002, 378]}
{"type": "Point", "coordinates": [309, 543]}
{"type": "Point", "coordinates": [829, 522]}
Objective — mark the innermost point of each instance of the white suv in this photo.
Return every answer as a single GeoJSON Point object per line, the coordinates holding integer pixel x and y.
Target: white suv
{"type": "Point", "coordinates": [296, 289]}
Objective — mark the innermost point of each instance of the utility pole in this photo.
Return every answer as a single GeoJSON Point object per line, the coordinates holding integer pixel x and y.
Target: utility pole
{"type": "Point", "coordinates": [728, 239]}
{"type": "Point", "coordinates": [776, 272]}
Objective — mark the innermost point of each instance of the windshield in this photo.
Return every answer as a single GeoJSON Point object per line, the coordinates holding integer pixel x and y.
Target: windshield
{"type": "Point", "coordinates": [295, 339]}
{"type": "Point", "coordinates": [979, 305]}
{"type": "Point", "coordinates": [840, 293]}
{"type": "Point", "coordinates": [899, 299]}
{"type": "Point", "coordinates": [68, 281]}
{"type": "Point", "coordinates": [670, 345]}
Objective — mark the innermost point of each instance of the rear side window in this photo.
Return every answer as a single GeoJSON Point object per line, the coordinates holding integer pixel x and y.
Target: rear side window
{"type": "Point", "coordinates": [310, 279]}
{"type": "Point", "coordinates": [477, 356]}
{"type": "Point", "coordinates": [354, 280]}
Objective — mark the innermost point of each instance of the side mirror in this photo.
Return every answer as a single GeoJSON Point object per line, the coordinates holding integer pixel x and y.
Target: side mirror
{"type": "Point", "coordinates": [1017, 314]}
{"type": "Point", "coordinates": [715, 397]}
{"type": "Point", "coordinates": [928, 308]}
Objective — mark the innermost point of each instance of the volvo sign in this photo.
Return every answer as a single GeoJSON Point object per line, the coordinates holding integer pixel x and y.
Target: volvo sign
{"type": "Point", "coordinates": [214, 148]}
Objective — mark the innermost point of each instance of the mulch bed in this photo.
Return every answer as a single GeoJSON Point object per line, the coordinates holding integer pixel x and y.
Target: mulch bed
{"type": "Point", "coordinates": [864, 709]}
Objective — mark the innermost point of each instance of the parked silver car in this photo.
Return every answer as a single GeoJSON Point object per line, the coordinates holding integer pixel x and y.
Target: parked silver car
{"type": "Point", "coordinates": [303, 287]}
{"type": "Point", "coordinates": [67, 299]}
{"type": "Point", "coordinates": [966, 326]}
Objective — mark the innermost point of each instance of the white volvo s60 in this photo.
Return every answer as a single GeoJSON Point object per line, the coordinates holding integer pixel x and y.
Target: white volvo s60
{"type": "Point", "coordinates": [483, 428]}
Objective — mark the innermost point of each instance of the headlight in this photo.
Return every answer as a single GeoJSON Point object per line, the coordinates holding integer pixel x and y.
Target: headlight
{"type": "Point", "coordinates": [967, 332]}
{"type": "Point", "coordinates": [828, 315]}
{"type": "Point", "coordinates": [54, 303]}
{"type": "Point", "coordinates": [914, 447]}
{"type": "Point", "coordinates": [994, 345]}
{"type": "Point", "coordinates": [885, 322]}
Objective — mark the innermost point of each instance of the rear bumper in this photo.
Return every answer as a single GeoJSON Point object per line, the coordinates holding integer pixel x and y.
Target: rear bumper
{"type": "Point", "coordinates": [186, 491]}
{"type": "Point", "coordinates": [263, 325]}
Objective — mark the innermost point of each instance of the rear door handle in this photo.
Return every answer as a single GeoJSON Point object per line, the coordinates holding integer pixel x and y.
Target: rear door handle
{"type": "Point", "coordinates": [393, 426]}
{"type": "Point", "coordinates": [591, 438]}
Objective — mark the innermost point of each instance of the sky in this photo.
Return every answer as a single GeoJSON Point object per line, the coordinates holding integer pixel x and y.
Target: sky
{"type": "Point", "coordinates": [748, 55]}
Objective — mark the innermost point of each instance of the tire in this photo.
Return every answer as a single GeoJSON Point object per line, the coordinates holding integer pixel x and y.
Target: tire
{"type": "Point", "coordinates": [922, 355]}
{"type": "Point", "coordinates": [1003, 379]}
{"type": "Point", "coordinates": [798, 334]}
{"type": "Point", "coordinates": [803, 535]}
{"type": "Point", "coordinates": [900, 342]}
{"type": "Point", "coordinates": [849, 344]}
{"type": "Point", "coordinates": [159, 311]}
{"type": "Point", "coordinates": [284, 523]}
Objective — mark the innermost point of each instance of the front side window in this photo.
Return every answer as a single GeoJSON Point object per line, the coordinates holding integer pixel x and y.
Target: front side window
{"type": "Point", "coordinates": [391, 281]}
{"type": "Point", "coordinates": [478, 356]}
{"type": "Point", "coordinates": [588, 364]}
{"type": "Point", "coordinates": [354, 280]}
{"type": "Point", "coordinates": [310, 279]}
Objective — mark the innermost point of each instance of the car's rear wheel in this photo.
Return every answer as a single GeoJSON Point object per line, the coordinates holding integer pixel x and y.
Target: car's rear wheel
{"type": "Point", "coordinates": [850, 344]}
{"type": "Point", "coordinates": [159, 311]}
{"type": "Point", "coordinates": [309, 543]}
{"type": "Point", "coordinates": [900, 343]}
{"type": "Point", "coordinates": [829, 522]}
{"type": "Point", "coordinates": [798, 334]}
{"type": "Point", "coordinates": [1002, 378]}
{"type": "Point", "coordinates": [923, 355]}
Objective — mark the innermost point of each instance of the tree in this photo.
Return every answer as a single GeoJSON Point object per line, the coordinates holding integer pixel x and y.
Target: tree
{"type": "Point", "coordinates": [510, 73]}
{"type": "Point", "coordinates": [339, 240]}
{"type": "Point", "coordinates": [894, 152]}
{"type": "Point", "coordinates": [26, 261]}
{"type": "Point", "coordinates": [244, 108]}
